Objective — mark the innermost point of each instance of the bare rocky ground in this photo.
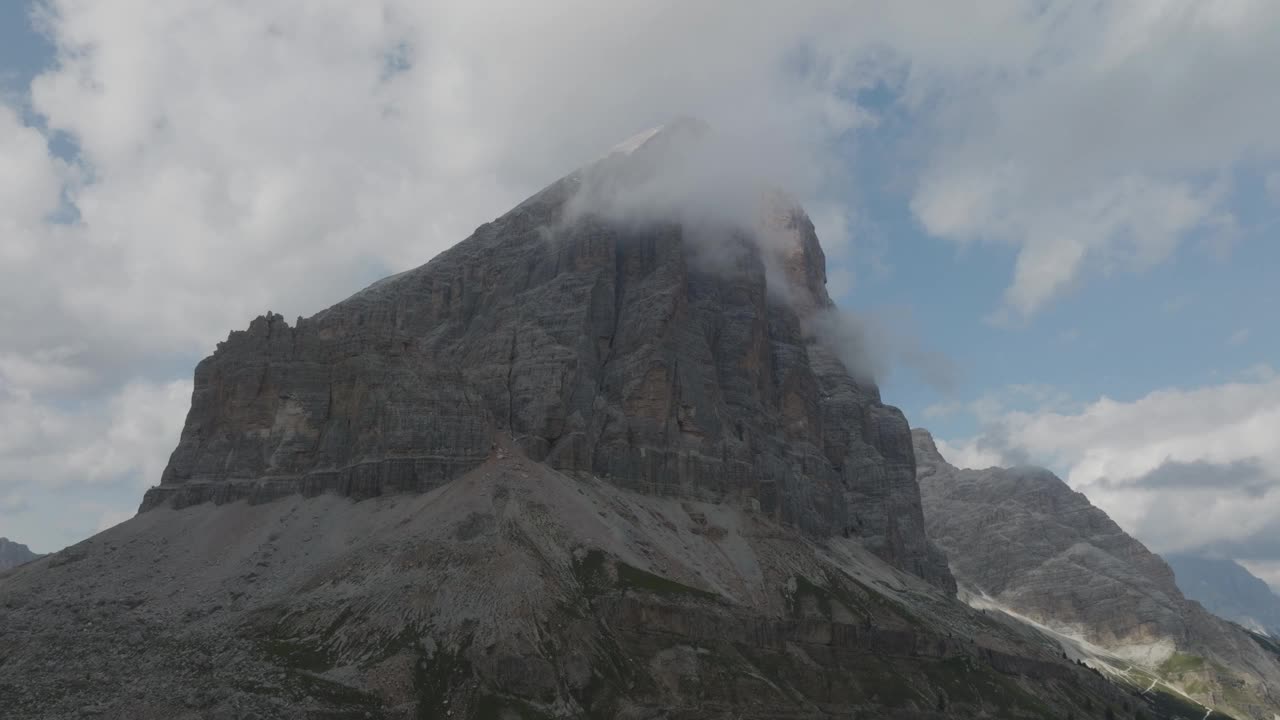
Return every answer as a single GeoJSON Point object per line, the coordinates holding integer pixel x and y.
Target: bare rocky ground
{"type": "Point", "coordinates": [512, 592]}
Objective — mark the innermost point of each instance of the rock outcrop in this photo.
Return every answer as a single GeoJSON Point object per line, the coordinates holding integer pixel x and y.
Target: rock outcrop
{"type": "Point", "coordinates": [13, 554]}
{"type": "Point", "coordinates": [1228, 590]}
{"type": "Point", "coordinates": [667, 357]}
{"type": "Point", "coordinates": [1020, 539]}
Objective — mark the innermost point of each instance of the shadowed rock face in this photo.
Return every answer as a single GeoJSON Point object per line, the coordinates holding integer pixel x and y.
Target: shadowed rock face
{"type": "Point", "coordinates": [1023, 539]}
{"type": "Point", "coordinates": [661, 356]}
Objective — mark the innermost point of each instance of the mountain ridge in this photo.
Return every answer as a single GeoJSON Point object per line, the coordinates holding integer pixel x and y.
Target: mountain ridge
{"type": "Point", "coordinates": [1228, 590]}
{"type": "Point", "coordinates": [1021, 540]}
{"type": "Point", "coordinates": [13, 554]}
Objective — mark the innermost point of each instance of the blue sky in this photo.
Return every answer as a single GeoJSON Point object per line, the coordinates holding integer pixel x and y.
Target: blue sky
{"type": "Point", "coordinates": [1121, 335]}
{"type": "Point", "coordinates": [1069, 211]}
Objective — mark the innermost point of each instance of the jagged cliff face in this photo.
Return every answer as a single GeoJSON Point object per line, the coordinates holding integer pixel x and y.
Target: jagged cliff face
{"type": "Point", "coordinates": [1022, 540]}
{"type": "Point", "coordinates": [638, 350]}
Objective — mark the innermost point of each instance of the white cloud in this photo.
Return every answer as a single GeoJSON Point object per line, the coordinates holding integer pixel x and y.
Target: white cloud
{"type": "Point", "coordinates": [1179, 468]}
{"type": "Point", "coordinates": [239, 157]}
{"type": "Point", "coordinates": [1240, 336]}
{"type": "Point", "coordinates": [969, 455]}
{"type": "Point", "coordinates": [125, 438]}
{"type": "Point", "coordinates": [1109, 142]}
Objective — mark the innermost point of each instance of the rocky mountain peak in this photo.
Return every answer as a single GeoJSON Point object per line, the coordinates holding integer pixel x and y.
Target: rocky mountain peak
{"type": "Point", "coordinates": [925, 448]}
{"type": "Point", "coordinates": [646, 320]}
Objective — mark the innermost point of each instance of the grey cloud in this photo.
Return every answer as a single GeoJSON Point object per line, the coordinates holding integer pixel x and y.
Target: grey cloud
{"type": "Point", "coordinates": [1262, 545]}
{"type": "Point", "coordinates": [872, 346]}
{"type": "Point", "coordinates": [1248, 476]}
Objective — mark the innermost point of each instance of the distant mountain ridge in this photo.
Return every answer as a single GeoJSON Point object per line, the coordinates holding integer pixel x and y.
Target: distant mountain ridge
{"type": "Point", "coordinates": [13, 554]}
{"type": "Point", "coordinates": [1022, 541]}
{"type": "Point", "coordinates": [1228, 590]}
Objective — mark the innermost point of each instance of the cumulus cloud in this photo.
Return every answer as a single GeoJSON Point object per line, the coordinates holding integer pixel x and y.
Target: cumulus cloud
{"type": "Point", "coordinates": [218, 160]}
{"type": "Point", "coordinates": [1183, 469]}
{"type": "Point", "coordinates": [1110, 144]}
{"type": "Point", "coordinates": [123, 439]}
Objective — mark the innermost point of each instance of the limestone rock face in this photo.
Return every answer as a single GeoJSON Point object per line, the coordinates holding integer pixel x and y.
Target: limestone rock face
{"type": "Point", "coordinates": [1022, 540]}
{"type": "Point", "coordinates": [13, 554]}
{"type": "Point", "coordinates": [667, 356]}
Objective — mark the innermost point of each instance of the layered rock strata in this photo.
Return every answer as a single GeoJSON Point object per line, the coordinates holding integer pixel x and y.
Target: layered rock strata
{"type": "Point", "coordinates": [668, 357]}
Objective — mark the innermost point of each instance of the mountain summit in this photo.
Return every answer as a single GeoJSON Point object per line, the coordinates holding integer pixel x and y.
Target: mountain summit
{"type": "Point", "coordinates": [603, 328]}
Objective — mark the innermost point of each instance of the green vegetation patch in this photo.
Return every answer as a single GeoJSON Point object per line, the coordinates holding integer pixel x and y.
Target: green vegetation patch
{"type": "Point", "coordinates": [635, 578]}
{"type": "Point", "coordinates": [1165, 704]}
{"type": "Point", "coordinates": [884, 684]}
{"type": "Point", "coordinates": [1179, 663]}
{"type": "Point", "coordinates": [296, 654]}
{"type": "Point", "coordinates": [592, 573]}
{"type": "Point", "coordinates": [494, 707]}
{"type": "Point", "coordinates": [334, 694]}
{"type": "Point", "coordinates": [435, 677]}
{"type": "Point", "coordinates": [807, 588]}
{"type": "Point", "coordinates": [851, 594]}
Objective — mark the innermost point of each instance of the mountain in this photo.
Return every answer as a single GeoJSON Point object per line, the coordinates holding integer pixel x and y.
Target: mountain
{"type": "Point", "coordinates": [608, 457]}
{"type": "Point", "coordinates": [1228, 590]}
{"type": "Point", "coordinates": [13, 554]}
{"type": "Point", "coordinates": [633, 351]}
{"type": "Point", "coordinates": [1022, 542]}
